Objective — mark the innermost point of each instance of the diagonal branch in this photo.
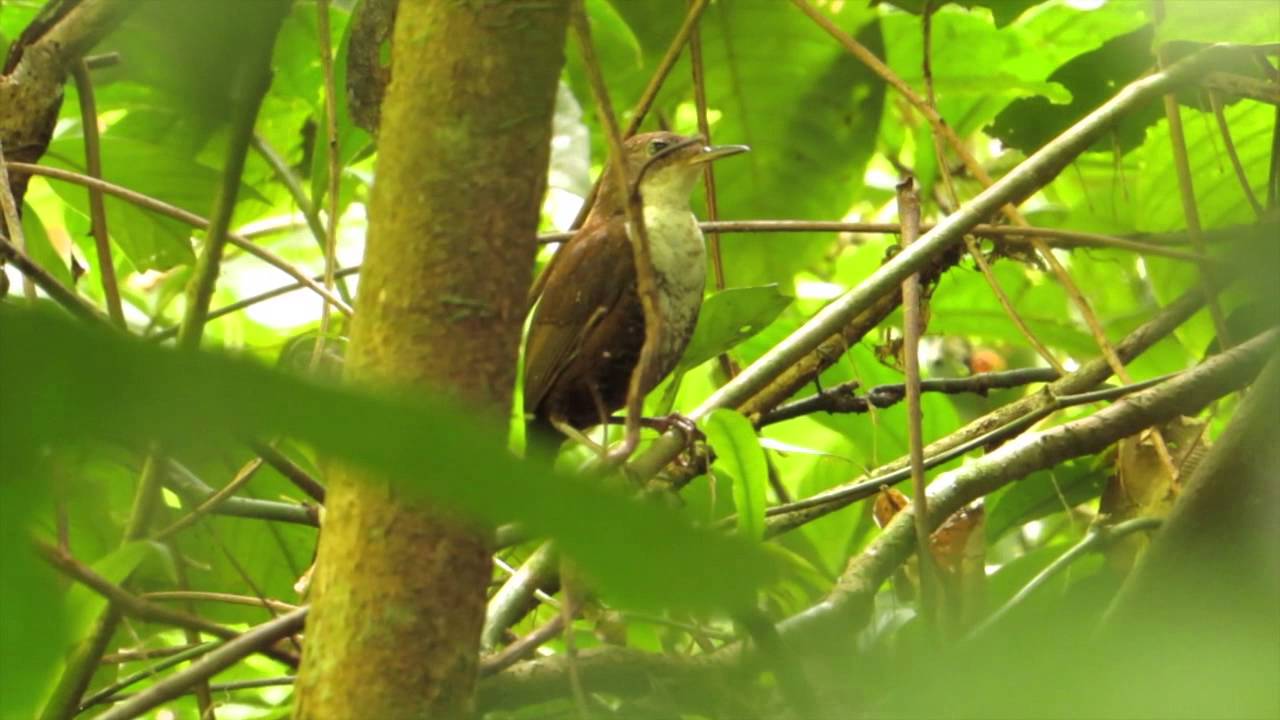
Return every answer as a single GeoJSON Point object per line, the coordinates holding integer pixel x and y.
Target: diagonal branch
{"type": "Point", "coordinates": [630, 673]}
{"type": "Point", "coordinates": [1028, 175]}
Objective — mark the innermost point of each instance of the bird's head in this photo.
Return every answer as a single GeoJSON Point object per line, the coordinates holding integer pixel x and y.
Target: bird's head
{"type": "Point", "coordinates": [664, 166]}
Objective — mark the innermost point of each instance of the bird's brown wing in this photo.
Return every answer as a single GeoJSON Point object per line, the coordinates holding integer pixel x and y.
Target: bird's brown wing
{"type": "Point", "coordinates": [581, 288]}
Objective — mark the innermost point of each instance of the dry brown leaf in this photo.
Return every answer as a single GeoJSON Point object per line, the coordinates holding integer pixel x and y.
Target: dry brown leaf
{"type": "Point", "coordinates": [1142, 485]}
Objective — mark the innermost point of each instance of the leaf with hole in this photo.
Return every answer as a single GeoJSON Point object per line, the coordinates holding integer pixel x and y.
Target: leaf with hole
{"type": "Point", "coordinates": [729, 317]}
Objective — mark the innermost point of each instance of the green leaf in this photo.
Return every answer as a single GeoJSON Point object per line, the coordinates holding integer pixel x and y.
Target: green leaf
{"type": "Point", "coordinates": [41, 249]}
{"type": "Point", "coordinates": [1044, 493]}
{"type": "Point", "coordinates": [638, 554]}
{"type": "Point", "coordinates": [739, 454]}
{"type": "Point", "coordinates": [151, 168]}
{"type": "Point", "coordinates": [729, 317]}
{"type": "Point", "coordinates": [32, 632]}
{"type": "Point", "coordinates": [1091, 79]}
{"type": "Point", "coordinates": [1248, 22]}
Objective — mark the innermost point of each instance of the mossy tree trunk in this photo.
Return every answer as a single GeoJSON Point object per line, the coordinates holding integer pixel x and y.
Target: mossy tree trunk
{"type": "Point", "coordinates": [399, 591]}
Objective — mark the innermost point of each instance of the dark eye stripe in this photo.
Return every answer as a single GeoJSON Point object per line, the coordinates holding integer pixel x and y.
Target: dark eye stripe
{"type": "Point", "coordinates": [657, 146]}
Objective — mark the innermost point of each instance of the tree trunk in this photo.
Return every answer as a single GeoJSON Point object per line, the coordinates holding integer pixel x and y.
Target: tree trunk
{"type": "Point", "coordinates": [399, 592]}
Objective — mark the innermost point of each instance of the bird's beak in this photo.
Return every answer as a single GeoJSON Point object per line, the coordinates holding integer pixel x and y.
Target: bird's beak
{"type": "Point", "coordinates": [715, 152]}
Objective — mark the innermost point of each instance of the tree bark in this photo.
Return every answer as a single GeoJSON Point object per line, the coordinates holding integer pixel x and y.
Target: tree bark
{"type": "Point", "coordinates": [399, 592]}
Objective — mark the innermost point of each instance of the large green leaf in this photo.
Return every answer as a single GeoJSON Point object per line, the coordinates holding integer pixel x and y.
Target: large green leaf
{"type": "Point", "coordinates": [730, 317]}
{"type": "Point", "coordinates": [738, 453]}
{"type": "Point", "coordinates": [638, 554]}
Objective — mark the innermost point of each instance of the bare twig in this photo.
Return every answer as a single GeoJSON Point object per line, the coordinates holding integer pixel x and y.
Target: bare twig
{"type": "Point", "coordinates": [331, 156]}
{"type": "Point", "coordinates": [646, 283]}
{"type": "Point", "coordinates": [1216, 101]}
{"type": "Point", "coordinates": [132, 605]}
{"type": "Point", "coordinates": [210, 503]}
{"type": "Point", "coordinates": [291, 471]}
{"type": "Point", "coordinates": [195, 491]}
{"type": "Point", "coordinates": [172, 332]}
{"type": "Point", "coordinates": [97, 207]}
{"type": "Point", "coordinates": [508, 604]}
{"type": "Point", "coordinates": [1187, 193]}
{"type": "Point", "coordinates": [108, 693]}
{"type": "Point", "coordinates": [843, 399]}
{"type": "Point", "coordinates": [231, 652]}
{"type": "Point", "coordinates": [708, 173]}
{"type": "Point", "coordinates": [944, 171]}
{"type": "Point", "coordinates": [13, 222]}
{"type": "Point", "coordinates": [310, 215]}
{"type": "Point", "coordinates": [60, 294]}
{"type": "Point", "coordinates": [782, 518]}
{"type": "Point", "coordinates": [704, 129]}
{"type": "Point", "coordinates": [180, 595]}
{"type": "Point", "coordinates": [177, 213]}
{"type": "Point", "coordinates": [912, 326]}
{"type": "Point", "coordinates": [1098, 537]}
{"type": "Point", "coordinates": [524, 647]}
{"type": "Point", "coordinates": [1003, 233]}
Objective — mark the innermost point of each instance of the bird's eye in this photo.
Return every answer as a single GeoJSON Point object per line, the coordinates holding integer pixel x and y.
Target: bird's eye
{"type": "Point", "coordinates": [657, 146]}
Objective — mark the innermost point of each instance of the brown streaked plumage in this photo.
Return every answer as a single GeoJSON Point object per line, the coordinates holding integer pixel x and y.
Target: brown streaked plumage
{"type": "Point", "coordinates": [587, 330]}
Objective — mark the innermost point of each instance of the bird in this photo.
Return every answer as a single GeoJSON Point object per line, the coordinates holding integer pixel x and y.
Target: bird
{"type": "Point", "coordinates": [588, 326]}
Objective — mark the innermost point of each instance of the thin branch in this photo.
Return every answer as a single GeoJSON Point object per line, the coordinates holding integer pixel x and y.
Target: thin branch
{"type": "Point", "coordinates": [108, 693]}
{"type": "Point", "coordinates": [177, 213]}
{"type": "Point", "coordinates": [1098, 537]}
{"type": "Point", "coordinates": [970, 245]}
{"type": "Point", "coordinates": [1186, 191]}
{"type": "Point", "coordinates": [133, 606]}
{"type": "Point", "coordinates": [1028, 175]}
{"type": "Point", "coordinates": [1225, 129]}
{"type": "Point", "coordinates": [195, 491]}
{"type": "Point", "coordinates": [782, 518]}
{"type": "Point", "coordinates": [331, 157]}
{"type": "Point", "coordinates": [522, 648]}
{"type": "Point", "coordinates": [13, 222]}
{"type": "Point", "coordinates": [132, 656]}
{"type": "Point", "coordinates": [704, 129]}
{"type": "Point", "coordinates": [186, 595]}
{"type": "Point", "coordinates": [291, 471]}
{"type": "Point", "coordinates": [842, 398]}
{"type": "Point", "coordinates": [646, 283]}
{"type": "Point", "coordinates": [172, 332]}
{"type": "Point", "coordinates": [912, 326]}
{"type": "Point", "coordinates": [204, 275]}
{"type": "Point", "coordinates": [67, 298]}
{"type": "Point", "coordinates": [228, 654]}
{"type": "Point", "coordinates": [510, 603]}
{"type": "Point", "coordinates": [727, 365]}
{"type": "Point", "coordinates": [97, 207]}
{"type": "Point", "coordinates": [210, 503]}
{"type": "Point", "coordinates": [1003, 233]}
{"type": "Point", "coordinates": [293, 185]}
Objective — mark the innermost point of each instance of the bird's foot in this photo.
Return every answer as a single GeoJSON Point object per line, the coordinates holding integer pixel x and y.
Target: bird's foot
{"type": "Point", "coordinates": [675, 421]}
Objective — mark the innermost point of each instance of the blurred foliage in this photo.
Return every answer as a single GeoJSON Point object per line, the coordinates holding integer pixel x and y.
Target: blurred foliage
{"type": "Point", "coordinates": [80, 408]}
